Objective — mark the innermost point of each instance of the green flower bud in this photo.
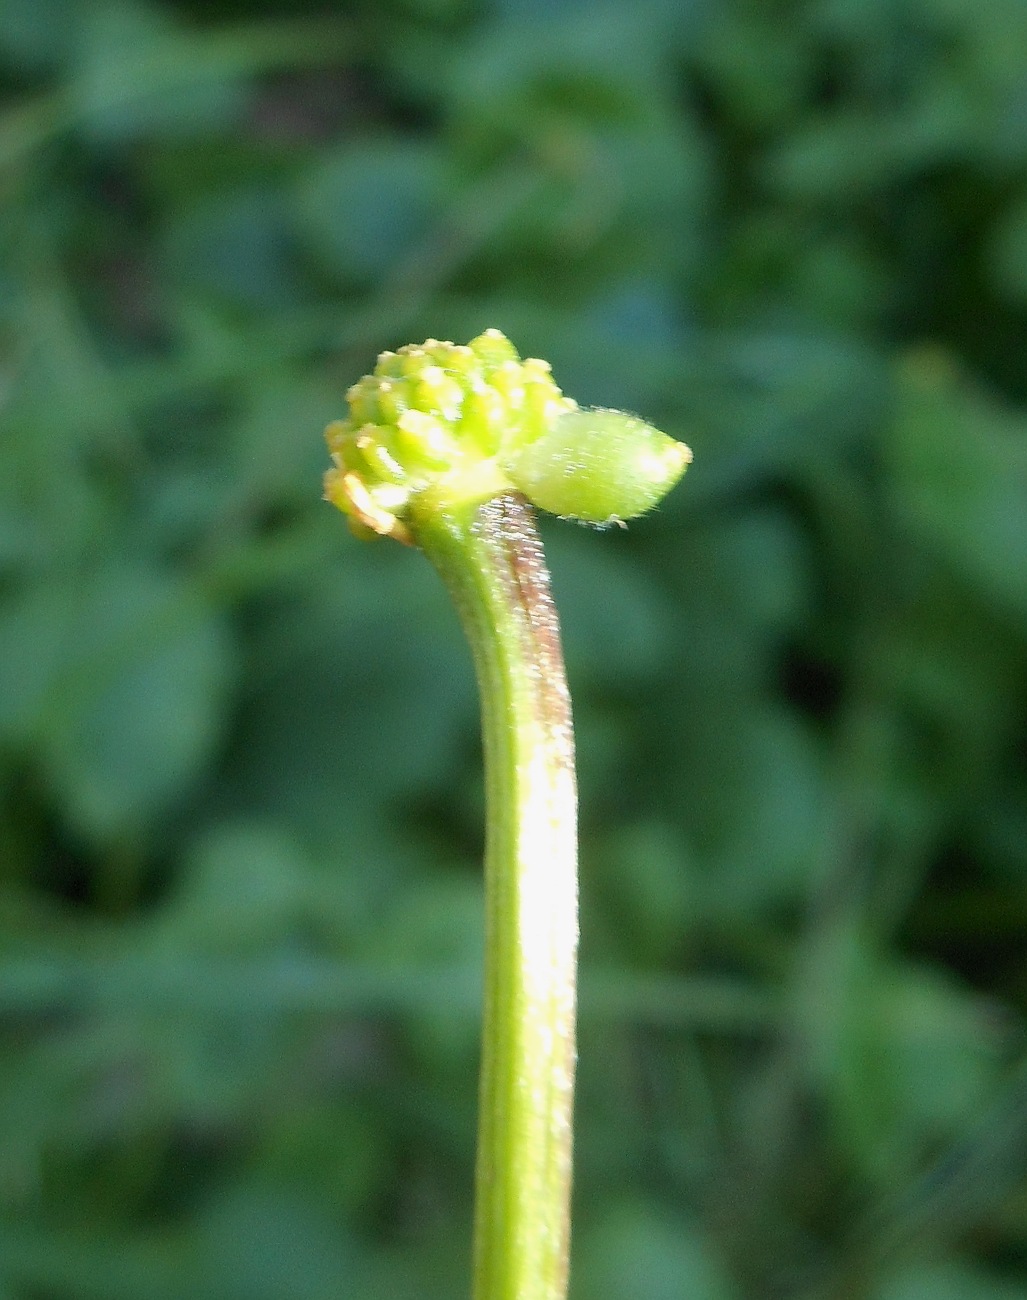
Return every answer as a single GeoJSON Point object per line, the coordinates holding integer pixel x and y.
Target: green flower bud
{"type": "Point", "coordinates": [599, 466]}
{"type": "Point", "coordinates": [443, 424]}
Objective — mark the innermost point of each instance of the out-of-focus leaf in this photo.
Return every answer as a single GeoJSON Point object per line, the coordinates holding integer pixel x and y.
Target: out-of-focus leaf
{"type": "Point", "coordinates": [946, 1281]}
{"type": "Point", "coordinates": [276, 443]}
{"type": "Point", "coordinates": [637, 1250]}
{"type": "Point", "coordinates": [37, 33]}
{"type": "Point", "coordinates": [843, 283]}
{"type": "Point", "coordinates": [235, 248]}
{"type": "Point", "coordinates": [360, 695]}
{"type": "Point", "coordinates": [957, 465]}
{"type": "Point", "coordinates": [643, 883]}
{"type": "Point", "coordinates": [1008, 254]}
{"type": "Point", "coordinates": [598, 65]}
{"type": "Point", "coordinates": [262, 1243]}
{"type": "Point", "coordinates": [368, 205]}
{"type": "Point", "coordinates": [35, 627]}
{"type": "Point", "coordinates": [133, 701]}
{"type": "Point", "coordinates": [1000, 829]}
{"type": "Point", "coordinates": [436, 924]}
{"type": "Point", "coordinates": [81, 1266]}
{"type": "Point", "coordinates": [245, 887]}
{"type": "Point", "coordinates": [135, 75]}
{"type": "Point", "coordinates": [862, 152]}
{"type": "Point", "coordinates": [764, 851]}
{"type": "Point", "coordinates": [757, 65]}
{"type": "Point", "coordinates": [625, 636]}
{"type": "Point", "coordinates": [754, 570]}
{"type": "Point", "coordinates": [628, 346]}
{"type": "Point", "coordinates": [335, 1149]}
{"type": "Point", "coordinates": [906, 1059]}
{"type": "Point", "coordinates": [951, 668]}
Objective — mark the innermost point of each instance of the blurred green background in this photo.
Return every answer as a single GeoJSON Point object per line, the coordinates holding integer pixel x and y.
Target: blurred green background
{"type": "Point", "coordinates": [240, 787]}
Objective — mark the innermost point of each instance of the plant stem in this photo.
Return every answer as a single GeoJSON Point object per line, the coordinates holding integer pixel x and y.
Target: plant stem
{"type": "Point", "coordinates": [491, 559]}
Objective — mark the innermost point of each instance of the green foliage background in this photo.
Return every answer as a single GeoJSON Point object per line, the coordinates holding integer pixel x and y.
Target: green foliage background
{"type": "Point", "coordinates": [240, 791]}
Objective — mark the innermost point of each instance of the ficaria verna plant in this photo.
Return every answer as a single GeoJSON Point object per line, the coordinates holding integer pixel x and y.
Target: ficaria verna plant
{"type": "Point", "coordinates": [447, 448]}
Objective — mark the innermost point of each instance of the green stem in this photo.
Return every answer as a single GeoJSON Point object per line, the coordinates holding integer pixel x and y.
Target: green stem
{"type": "Point", "coordinates": [491, 559]}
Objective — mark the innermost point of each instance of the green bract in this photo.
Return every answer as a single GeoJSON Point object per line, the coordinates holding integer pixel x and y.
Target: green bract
{"type": "Point", "coordinates": [438, 424]}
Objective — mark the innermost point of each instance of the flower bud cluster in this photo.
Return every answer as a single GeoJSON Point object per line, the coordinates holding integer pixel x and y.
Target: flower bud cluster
{"type": "Point", "coordinates": [437, 414]}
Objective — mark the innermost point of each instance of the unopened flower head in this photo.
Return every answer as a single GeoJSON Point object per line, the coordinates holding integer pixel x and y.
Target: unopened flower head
{"type": "Point", "coordinates": [437, 415]}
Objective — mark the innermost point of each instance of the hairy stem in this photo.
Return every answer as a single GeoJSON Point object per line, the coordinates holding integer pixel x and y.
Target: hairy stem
{"type": "Point", "coordinates": [492, 561]}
